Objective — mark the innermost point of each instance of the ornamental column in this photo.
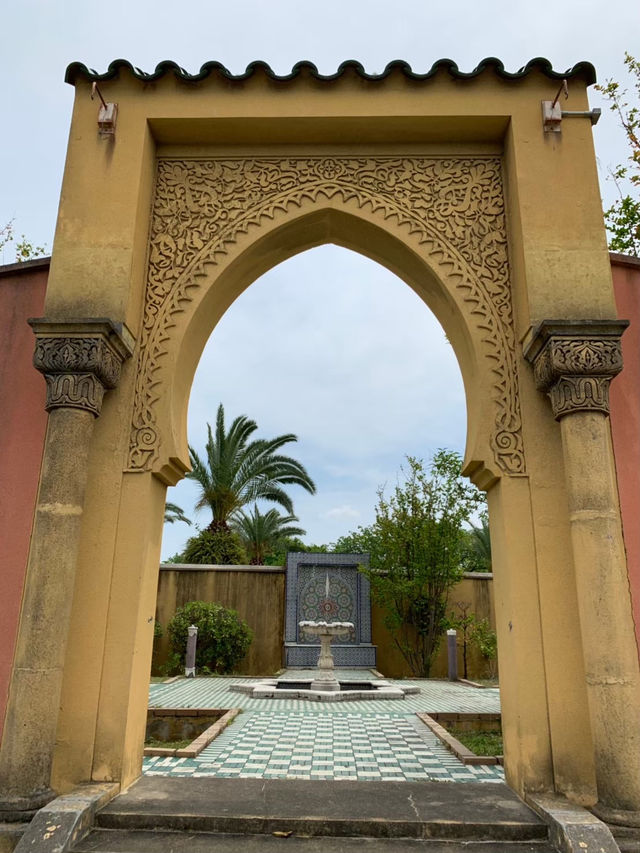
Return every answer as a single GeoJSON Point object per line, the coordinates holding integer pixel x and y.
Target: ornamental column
{"type": "Point", "coordinates": [574, 363]}
{"type": "Point", "coordinates": [80, 360]}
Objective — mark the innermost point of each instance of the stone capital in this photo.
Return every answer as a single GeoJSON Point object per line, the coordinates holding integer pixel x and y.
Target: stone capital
{"type": "Point", "coordinates": [80, 359]}
{"type": "Point", "coordinates": [574, 361]}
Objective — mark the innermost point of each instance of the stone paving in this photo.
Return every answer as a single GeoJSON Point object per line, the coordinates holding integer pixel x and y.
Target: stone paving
{"type": "Point", "coordinates": [294, 739]}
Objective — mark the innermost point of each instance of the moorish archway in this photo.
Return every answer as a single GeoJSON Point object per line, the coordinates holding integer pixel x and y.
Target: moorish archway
{"type": "Point", "coordinates": [445, 181]}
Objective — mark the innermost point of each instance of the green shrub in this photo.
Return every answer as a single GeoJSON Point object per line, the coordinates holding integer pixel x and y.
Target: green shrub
{"type": "Point", "coordinates": [223, 638]}
{"type": "Point", "coordinates": [487, 642]}
{"type": "Point", "coordinates": [218, 547]}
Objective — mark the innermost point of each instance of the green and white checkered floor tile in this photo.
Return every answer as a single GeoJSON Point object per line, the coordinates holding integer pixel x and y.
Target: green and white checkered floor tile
{"type": "Point", "coordinates": [326, 746]}
{"type": "Point", "coordinates": [215, 693]}
{"type": "Point", "coordinates": [298, 739]}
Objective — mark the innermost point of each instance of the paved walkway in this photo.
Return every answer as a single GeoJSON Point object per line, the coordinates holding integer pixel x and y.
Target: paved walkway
{"type": "Point", "coordinates": [293, 739]}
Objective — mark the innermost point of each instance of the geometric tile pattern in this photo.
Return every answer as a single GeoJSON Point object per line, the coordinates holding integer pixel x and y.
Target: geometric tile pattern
{"type": "Point", "coordinates": [355, 740]}
{"type": "Point", "coordinates": [379, 747]}
{"type": "Point", "coordinates": [300, 569]}
{"type": "Point", "coordinates": [348, 598]}
{"type": "Point", "coordinates": [444, 696]}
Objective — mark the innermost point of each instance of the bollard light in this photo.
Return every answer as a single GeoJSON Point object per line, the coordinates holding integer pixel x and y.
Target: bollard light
{"type": "Point", "coordinates": [452, 653]}
{"type": "Point", "coordinates": [190, 661]}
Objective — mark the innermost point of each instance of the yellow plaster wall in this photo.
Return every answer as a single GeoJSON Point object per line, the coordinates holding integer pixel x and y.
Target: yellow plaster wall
{"type": "Point", "coordinates": [559, 267]}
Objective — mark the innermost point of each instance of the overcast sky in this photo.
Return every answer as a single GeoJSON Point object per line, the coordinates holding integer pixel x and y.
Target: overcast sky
{"type": "Point", "coordinates": [328, 345]}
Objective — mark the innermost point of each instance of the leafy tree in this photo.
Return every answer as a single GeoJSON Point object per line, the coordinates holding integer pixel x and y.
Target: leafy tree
{"type": "Point", "coordinates": [357, 542]}
{"type": "Point", "coordinates": [236, 471]}
{"type": "Point", "coordinates": [415, 547]}
{"type": "Point", "coordinates": [175, 558]}
{"type": "Point", "coordinates": [218, 547]}
{"type": "Point", "coordinates": [6, 234]}
{"type": "Point", "coordinates": [486, 640]}
{"type": "Point", "coordinates": [464, 622]}
{"type": "Point", "coordinates": [623, 217]}
{"type": "Point", "coordinates": [25, 250]}
{"type": "Point", "coordinates": [261, 534]}
{"type": "Point", "coordinates": [223, 637]}
{"type": "Point", "coordinates": [172, 512]}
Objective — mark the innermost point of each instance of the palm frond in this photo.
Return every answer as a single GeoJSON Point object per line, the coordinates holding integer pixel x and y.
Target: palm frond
{"type": "Point", "coordinates": [261, 533]}
{"type": "Point", "coordinates": [237, 471]}
{"type": "Point", "coordinates": [173, 512]}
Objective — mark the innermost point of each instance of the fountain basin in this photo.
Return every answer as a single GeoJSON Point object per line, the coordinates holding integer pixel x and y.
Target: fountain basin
{"type": "Point", "coordinates": [283, 688]}
{"type": "Point", "coordinates": [323, 686]}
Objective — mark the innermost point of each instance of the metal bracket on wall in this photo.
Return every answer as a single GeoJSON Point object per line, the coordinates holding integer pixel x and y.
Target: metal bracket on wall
{"type": "Point", "coordinates": [107, 114]}
{"type": "Point", "coordinates": [552, 112]}
{"type": "Point", "coordinates": [552, 116]}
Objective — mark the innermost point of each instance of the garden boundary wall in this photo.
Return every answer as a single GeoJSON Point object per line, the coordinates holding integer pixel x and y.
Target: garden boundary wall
{"type": "Point", "coordinates": [257, 593]}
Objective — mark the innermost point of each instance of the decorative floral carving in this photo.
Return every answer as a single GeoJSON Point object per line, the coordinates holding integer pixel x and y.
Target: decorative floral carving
{"type": "Point", "coordinates": [575, 363]}
{"type": "Point", "coordinates": [78, 370]}
{"type": "Point", "coordinates": [453, 205]}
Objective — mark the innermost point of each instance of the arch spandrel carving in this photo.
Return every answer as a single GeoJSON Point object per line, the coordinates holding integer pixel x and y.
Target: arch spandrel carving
{"type": "Point", "coordinates": [453, 207]}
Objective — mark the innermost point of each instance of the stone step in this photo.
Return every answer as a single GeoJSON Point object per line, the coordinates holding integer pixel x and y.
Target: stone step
{"type": "Point", "coordinates": [627, 838]}
{"type": "Point", "coordinates": [628, 845]}
{"type": "Point", "coordinates": [435, 810]}
{"type": "Point", "coordinates": [158, 841]}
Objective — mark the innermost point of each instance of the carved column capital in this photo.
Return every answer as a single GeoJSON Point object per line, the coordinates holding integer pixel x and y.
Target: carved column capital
{"type": "Point", "coordinates": [574, 361]}
{"type": "Point", "coordinates": [80, 360]}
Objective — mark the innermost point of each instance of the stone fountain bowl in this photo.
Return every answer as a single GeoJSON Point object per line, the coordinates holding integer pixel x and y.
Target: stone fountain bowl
{"type": "Point", "coordinates": [332, 629]}
{"type": "Point", "coordinates": [324, 686]}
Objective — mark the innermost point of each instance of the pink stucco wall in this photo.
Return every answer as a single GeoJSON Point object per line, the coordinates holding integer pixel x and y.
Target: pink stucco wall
{"type": "Point", "coordinates": [625, 417]}
{"type": "Point", "coordinates": [23, 423]}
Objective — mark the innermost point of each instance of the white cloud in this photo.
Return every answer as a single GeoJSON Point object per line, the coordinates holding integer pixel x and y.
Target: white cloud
{"type": "Point", "coordinates": [343, 512]}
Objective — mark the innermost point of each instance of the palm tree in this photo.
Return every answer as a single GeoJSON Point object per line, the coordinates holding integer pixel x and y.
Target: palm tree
{"type": "Point", "coordinates": [261, 534]}
{"type": "Point", "coordinates": [237, 472]}
{"type": "Point", "coordinates": [481, 544]}
{"type": "Point", "coordinates": [173, 512]}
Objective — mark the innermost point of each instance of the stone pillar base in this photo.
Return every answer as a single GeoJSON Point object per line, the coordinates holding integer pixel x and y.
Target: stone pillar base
{"type": "Point", "coordinates": [24, 808]}
{"type": "Point", "coordinates": [617, 817]}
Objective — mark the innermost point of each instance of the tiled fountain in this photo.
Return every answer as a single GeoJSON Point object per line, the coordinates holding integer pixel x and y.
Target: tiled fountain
{"type": "Point", "coordinates": [321, 586]}
{"type": "Point", "coordinates": [328, 587]}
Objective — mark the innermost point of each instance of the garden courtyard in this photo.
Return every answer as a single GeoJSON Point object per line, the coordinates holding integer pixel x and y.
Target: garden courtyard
{"type": "Point", "coordinates": [361, 740]}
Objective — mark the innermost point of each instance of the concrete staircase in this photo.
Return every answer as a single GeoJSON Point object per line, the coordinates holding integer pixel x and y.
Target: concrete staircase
{"type": "Point", "coordinates": [160, 815]}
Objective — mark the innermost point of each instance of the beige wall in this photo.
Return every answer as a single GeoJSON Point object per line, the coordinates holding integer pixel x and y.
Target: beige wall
{"type": "Point", "coordinates": [255, 592]}
{"type": "Point", "coordinates": [475, 589]}
{"type": "Point", "coordinates": [258, 594]}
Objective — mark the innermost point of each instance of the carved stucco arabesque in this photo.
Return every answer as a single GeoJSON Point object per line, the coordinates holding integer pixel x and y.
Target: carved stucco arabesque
{"type": "Point", "coordinates": [575, 365]}
{"type": "Point", "coordinates": [79, 366]}
{"type": "Point", "coordinates": [454, 206]}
